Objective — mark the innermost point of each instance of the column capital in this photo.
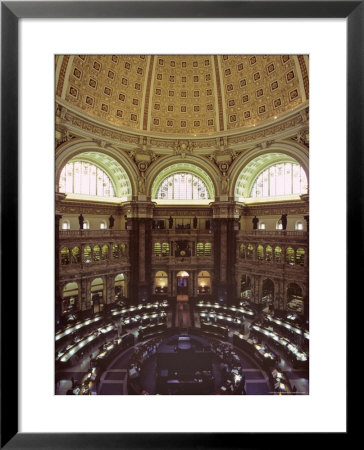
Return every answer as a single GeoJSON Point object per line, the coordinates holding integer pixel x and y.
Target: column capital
{"type": "Point", "coordinates": [138, 210]}
{"type": "Point", "coordinates": [226, 210]}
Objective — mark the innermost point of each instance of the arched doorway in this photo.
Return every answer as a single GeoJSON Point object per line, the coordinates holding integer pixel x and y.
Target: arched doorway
{"type": "Point", "coordinates": [119, 286]}
{"type": "Point", "coordinates": [245, 287]}
{"type": "Point", "coordinates": [70, 298]}
{"type": "Point", "coordinates": [97, 295]}
{"type": "Point", "coordinates": [183, 319]}
{"type": "Point", "coordinates": [294, 298]}
{"type": "Point", "coordinates": [182, 282]}
{"type": "Point", "coordinates": [267, 292]}
{"type": "Point", "coordinates": [161, 283]}
{"type": "Point", "coordinates": [203, 283]}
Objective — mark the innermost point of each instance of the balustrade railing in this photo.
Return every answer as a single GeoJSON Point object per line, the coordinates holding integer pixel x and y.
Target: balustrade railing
{"type": "Point", "coordinates": [64, 234]}
{"type": "Point", "coordinates": [275, 233]}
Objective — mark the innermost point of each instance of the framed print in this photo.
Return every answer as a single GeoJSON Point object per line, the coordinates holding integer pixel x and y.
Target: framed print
{"type": "Point", "coordinates": [182, 253]}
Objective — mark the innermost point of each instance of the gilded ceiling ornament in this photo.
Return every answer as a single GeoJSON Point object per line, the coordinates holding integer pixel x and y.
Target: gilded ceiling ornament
{"type": "Point", "coordinates": [183, 148]}
{"type": "Point", "coordinates": [142, 166]}
{"type": "Point", "coordinates": [302, 137]}
{"type": "Point", "coordinates": [66, 136]}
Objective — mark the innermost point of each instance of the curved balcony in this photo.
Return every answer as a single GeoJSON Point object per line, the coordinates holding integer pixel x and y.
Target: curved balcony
{"type": "Point", "coordinates": [67, 234]}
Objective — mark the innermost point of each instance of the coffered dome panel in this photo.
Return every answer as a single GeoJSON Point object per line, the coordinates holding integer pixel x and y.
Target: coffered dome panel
{"type": "Point", "coordinates": [183, 94]}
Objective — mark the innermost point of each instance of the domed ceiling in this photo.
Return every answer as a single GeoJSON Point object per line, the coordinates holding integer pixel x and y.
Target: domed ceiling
{"type": "Point", "coordinates": [184, 94]}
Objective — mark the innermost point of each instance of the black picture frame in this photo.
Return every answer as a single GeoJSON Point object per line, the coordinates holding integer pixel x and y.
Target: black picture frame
{"type": "Point", "coordinates": [11, 12]}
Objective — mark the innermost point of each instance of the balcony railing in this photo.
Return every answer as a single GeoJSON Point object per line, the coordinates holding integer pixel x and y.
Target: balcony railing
{"type": "Point", "coordinates": [66, 234]}
{"type": "Point", "coordinates": [275, 233]}
{"type": "Point", "coordinates": [178, 231]}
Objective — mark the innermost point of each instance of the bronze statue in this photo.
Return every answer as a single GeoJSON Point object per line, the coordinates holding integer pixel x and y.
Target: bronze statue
{"type": "Point", "coordinates": [80, 221]}
{"type": "Point", "coordinates": [195, 222]}
{"type": "Point", "coordinates": [284, 221]}
{"type": "Point", "coordinates": [255, 223]}
{"type": "Point", "coordinates": [111, 221]}
{"type": "Point", "coordinates": [170, 220]}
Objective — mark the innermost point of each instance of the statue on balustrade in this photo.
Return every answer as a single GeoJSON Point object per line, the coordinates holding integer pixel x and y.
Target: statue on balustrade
{"type": "Point", "coordinates": [111, 221]}
{"type": "Point", "coordinates": [255, 223]}
{"type": "Point", "coordinates": [170, 221]}
{"type": "Point", "coordinates": [284, 221]}
{"type": "Point", "coordinates": [80, 221]}
{"type": "Point", "coordinates": [195, 222]}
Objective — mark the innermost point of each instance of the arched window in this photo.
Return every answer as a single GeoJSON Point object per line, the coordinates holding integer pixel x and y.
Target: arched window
{"type": "Point", "coordinates": [97, 294]}
{"type": "Point", "coordinates": [280, 179]}
{"type": "Point", "coordinates": [76, 255]}
{"type": "Point", "coordinates": [260, 253]}
{"type": "Point", "coordinates": [278, 255]}
{"type": "Point", "coordinates": [290, 256]}
{"type": "Point", "coordinates": [96, 251]}
{"type": "Point", "coordinates": [87, 254]}
{"type": "Point", "coordinates": [262, 226]}
{"type": "Point", "coordinates": [299, 226]}
{"type": "Point", "coordinates": [279, 225]}
{"type": "Point", "coordinates": [81, 177]}
{"type": "Point", "coordinates": [65, 225]}
{"type": "Point", "coordinates": [86, 225]}
{"type": "Point", "coordinates": [268, 253]}
{"type": "Point", "coordinates": [119, 286]}
{"type": "Point", "coordinates": [161, 282]}
{"type": "Point", "coordinates": [250, 252]}
{"type": "Point", "coordinates": [105, 252]}
{"type": "Point", "coordinates": [203, 282]}
{"type": "Point", "coordinates": [245, 287]}
{"type": "Point", "coordinates": [300, 256]}
{"type": "Point", "coordinates": [103, 225]}
{"type": "Point", "coordinates": [70, 297]}
{"type": "Point", "coordinates": [115, 251]}
{"type": "Point", "coordinates": [182, 186]}
{"type": "Point", "coordinates": [65, 256]}
{"type": "Point", "coordinates": [123, 249]}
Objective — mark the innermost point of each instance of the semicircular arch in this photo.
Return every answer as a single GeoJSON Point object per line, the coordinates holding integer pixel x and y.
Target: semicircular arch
{"type": "Point", "coordinates": [195, 166]}
{"type": "Point", "coordinates": [248, 166]}
{"type": "Point", "coordinates": [110, 160]}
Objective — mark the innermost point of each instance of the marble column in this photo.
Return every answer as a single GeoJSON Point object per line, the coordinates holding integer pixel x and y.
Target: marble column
{"type": "Point", "coordinates": [58, 293]}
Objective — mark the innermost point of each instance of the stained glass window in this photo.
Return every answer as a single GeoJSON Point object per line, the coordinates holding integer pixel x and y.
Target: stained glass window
{"type": "Point", "coordinates": [81, 177]}
{"type": "Point", "coordinates": [280, 179]}
{"type": "Point", "coordinates": [182, 186]}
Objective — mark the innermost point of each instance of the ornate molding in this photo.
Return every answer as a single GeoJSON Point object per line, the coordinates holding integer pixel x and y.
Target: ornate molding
{"type": "Point", "coordinates": [77, 123]}
{"type": "Point", "coordinates": [290, 208]}
{"type": "Point", "coordinates": [80, 206]}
